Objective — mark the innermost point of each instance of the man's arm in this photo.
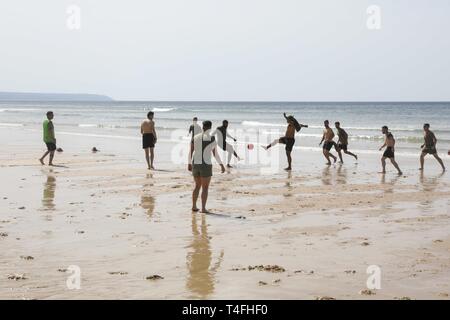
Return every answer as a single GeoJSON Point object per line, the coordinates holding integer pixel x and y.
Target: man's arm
{"type": "Point", "coordinates": [154, 132]}
{"type": "Point", "coordinates": [142, 128]}
{"type": "Point", "coordinates": [384, 145]}
{"type": "Point", "coordinates": [51, 131]}
{"type": "Point", "coordinates": [323, 138]}
{"type": "Point", "coordinates": [191, 154]}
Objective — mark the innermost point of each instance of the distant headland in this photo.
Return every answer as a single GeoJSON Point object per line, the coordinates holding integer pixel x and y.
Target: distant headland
{"type": "Point", "coordinates": [29, 96]}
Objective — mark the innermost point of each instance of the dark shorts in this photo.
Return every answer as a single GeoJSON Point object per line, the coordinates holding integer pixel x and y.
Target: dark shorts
{"type": "Point", "coordinates": [51, 146]}
{"type": "Point", "coordinates": [289, 142]}
{"type": "Point", "coordinates": [429, 150]}
{"type": "Point", "coordinates": [343, 146]}
{"type": "Point", "coordinates": [389, 153]}
{"type": "Point", "coordinates": [328, 145]}
{"type": "Point", "coordinates": [148, 140]}
{"type": "Point", "coordinates": [202, 170]}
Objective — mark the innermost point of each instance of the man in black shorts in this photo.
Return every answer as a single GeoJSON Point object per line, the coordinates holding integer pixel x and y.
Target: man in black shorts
{"type": "Point", "coordinates": [429, 147]}
{"type": "Point", "coordinates": [389, 143]}
{"type": "Point", "coordinates": [288, 139]}
{"type": "Point", "coordinates": [343, 141]}
{"type": "Point", "coordinates": [149, 139]}
{"type": "Point", "coordinates": [328, 143]}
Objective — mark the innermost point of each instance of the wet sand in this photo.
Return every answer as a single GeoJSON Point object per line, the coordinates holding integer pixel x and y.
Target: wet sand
{"type": "Point", "coordinates": [120, 223]}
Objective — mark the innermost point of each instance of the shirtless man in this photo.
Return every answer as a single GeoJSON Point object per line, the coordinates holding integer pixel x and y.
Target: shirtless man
{"type": "Point", "coordinates": [202, 147]}
{"type": "Point", "coordinates": [328, 143]}
{"type": "Point", "coordinates": [288, 139]}
{"type": "Point", "coordinates": [343, 142]}
{"type": "Point", "coordinates": [389, 142]}
{"type": "Point", "coordinates": [429, 147]}
{"type": "Point", "coordinates": [149, 139]}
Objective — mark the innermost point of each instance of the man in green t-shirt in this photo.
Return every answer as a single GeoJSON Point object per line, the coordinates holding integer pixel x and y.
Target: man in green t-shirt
{"type": "Point", "coordinates": [49, 138]}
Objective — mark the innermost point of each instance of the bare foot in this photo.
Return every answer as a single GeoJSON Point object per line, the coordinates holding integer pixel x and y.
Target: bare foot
{"type": "Point", "coordinates": [264, 147]}
{"type": "Point", "coordinates": [152, 168]}
{"type": "Point", "coordinates": [356, 157]}
{"type": "Point", "coordinates": [420, 169]}
{"type": "Point", "coordinates": [382, 172]}
{"type": "Point", "coordinates": [205, 211]}
{"type": "Point", "coordinates": [328, 163]}
{"type": "Point", "coordinates": [195, 209]}
{"type": "Point", "coordinates": [288, 169]}
{"type": "Point", "coordinates": [400, 173]}
{"type": "Point", "coordinates": [229, 166]}
{"type": "Point", "coordinates": [50, 164]}
{"type": "Point", "coordinates": [335, 159]}
{"type": "Point", "coordinates": [42, 162]}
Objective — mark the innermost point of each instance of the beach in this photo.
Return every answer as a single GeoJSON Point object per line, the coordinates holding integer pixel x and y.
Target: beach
{"type": "Point", "coordinates": [308, 234]}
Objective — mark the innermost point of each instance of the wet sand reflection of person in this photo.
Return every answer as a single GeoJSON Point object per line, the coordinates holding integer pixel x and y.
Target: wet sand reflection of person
{"type": "Point", "coordinates": [200, 281]}
{"type": "Point", "coordinates": [429, 184]}
{"type": "Point", "coordinates": [48, 196]}
{"type": "Point", "coordinates": [148, 204]}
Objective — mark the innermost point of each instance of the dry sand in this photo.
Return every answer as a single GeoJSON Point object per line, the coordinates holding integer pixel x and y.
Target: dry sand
{"type": "Point", "coordinates": [321, 227]}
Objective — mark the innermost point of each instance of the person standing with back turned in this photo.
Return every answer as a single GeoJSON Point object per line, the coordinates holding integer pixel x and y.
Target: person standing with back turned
{"type": "Point", "coordinates": [200, 164]}
{"type": "Point", "coordinates": [149, 139]}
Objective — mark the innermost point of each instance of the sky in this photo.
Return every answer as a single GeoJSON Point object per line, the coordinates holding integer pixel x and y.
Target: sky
{"type": "Point", "coordinates": [228, 50]}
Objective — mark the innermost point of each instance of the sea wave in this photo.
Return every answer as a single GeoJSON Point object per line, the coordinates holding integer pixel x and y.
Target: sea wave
{"type": "Point", "coordinates": [163, 109]}
{"type": "Point", "coordinates": [260, 124]}
{"type": "Point", "coordinates": [11, 125]}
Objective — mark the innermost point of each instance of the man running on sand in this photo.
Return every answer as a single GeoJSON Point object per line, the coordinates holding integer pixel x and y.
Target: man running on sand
{"type": "Point", "coordinates": [149, 139]}
{"type": "Point", "coordinates": [202, 147]}
{"type": "Point", "coordinates": [343, 141]}
{"type": "Point", "coordinates": [389, 142]}
{"type": "Point", "coordinates": [222, 135]}
{"type": "Point", "coordinates": [49, 138]}
{"type": "Point", "coordinates": [429, 147]}
{"type": "Point", "coordinates": [328, 143]}
{"type": "Point", "coordinates": [288, 139]}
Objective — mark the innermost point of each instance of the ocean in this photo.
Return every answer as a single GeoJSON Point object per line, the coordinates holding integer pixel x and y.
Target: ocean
{"type": "Point", "coordinates": [248, 120]}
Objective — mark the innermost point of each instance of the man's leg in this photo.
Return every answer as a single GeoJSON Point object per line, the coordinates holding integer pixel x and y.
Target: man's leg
{"type": "Point", "coordinates": [43, 157]}
{"type": "Point", "coordinates": [338, 150]}
{"type": "Point", "coordinates": [274, 142]}
{"type": "Point", "coordinates": [383, 164]}
{"type": "Point", "coordinates": [327, 156]}
{"type": "Point", "coordinates": [396, 165]}
{"type": "Point", "coordinates": [422, 160]}
{"type": "Point", "coordinates": [198, 184]}
{"type": "Point", "coordinates": [205, 189]}
{"type": "Point", "coordinates": [147, 157]}
{"type": "Point", "coordinates": [231, 152]}
{"type": "Point", "coordinates": [351, 154]}
{"type": "Point", "coordinates": [152, 157]}
{"type": "Point", "coordinates": [289, 160]}
{"type": "Point", "coordinates": [436, 156]}
{"type": "Point", "coordinates": [50, 161]}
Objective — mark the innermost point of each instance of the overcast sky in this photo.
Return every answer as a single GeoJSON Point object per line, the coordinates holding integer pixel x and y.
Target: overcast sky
{"type": "Point", "coordinates": [284, 50]}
